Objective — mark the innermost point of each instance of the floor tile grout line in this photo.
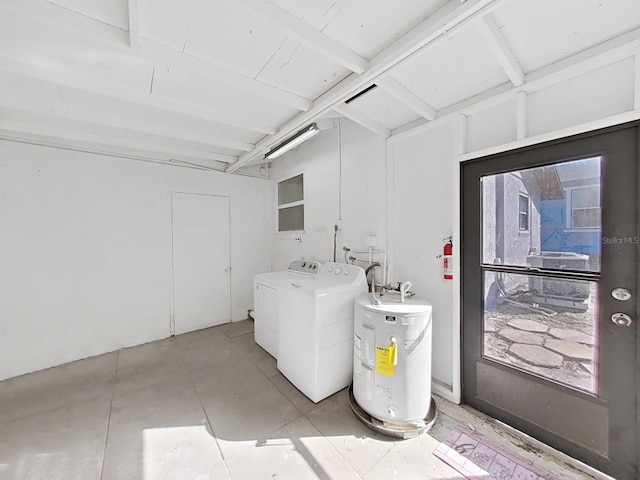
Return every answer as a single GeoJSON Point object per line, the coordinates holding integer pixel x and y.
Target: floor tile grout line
{"type": "Point", "coordinates": [306, 415]}
{"type": "Point", "coordinates": [332, 446]}
{"type": "Point", "coordinates": [206, 416]}
{"type": "Point", "coordinates": [301, 414]}
{"type": "Point", "coordinates": [283, 394]}
{"type": "Point", "coordinates": [106, 435]}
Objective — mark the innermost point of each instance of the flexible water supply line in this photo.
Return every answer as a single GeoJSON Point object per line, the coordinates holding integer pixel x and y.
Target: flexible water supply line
{"type": "Point", "coordinates": [404, 288]}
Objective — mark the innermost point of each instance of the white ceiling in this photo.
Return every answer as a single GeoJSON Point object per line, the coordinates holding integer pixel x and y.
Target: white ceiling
{"type": "Point", "coordinates": [219, 82]}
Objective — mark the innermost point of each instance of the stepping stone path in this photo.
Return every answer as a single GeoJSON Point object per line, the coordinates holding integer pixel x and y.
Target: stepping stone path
{"type": "Point", "coordinates": [520, 336]}
{"type": "Point", "coordinates": [489, 326]}
{"type": "Point", "coordinates": [537, 344]}
{"type": "Point", "coordinates": [573, 350]}
{"type": "Point", "coordinates": [529, 326]}
{"type": "Point", "coordinates": [572, 336]}
{"type": "Point", "coordinates": [536, 355]}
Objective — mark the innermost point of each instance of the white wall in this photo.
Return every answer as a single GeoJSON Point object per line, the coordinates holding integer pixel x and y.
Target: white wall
{"type": "Point", "coordinates": [85, 251]}
{"type": "Point", "coordinates": [423, 217]}
{"type": "Point", "coordinates": [344, 178]}
{"type": "Point", "coordinates": [345, 171]}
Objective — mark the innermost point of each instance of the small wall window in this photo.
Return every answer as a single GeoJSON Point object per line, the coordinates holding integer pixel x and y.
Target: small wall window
{"type": "Point", "coordinates": [584, 207]}
{"type": "Point", "coordinates": [523, 212]}
{"type": "Point", "coordinates": [291, 204]}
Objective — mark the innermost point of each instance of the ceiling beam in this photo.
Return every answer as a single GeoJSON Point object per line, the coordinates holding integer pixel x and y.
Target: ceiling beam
{"type": "Point", "coordinates": [134, 23]}
{"type": "Point", "coordinates": [105, 88]}
{"type": "Point", "coordinates": [408, 98]}
{"type": "Point", "coordinates": [306, 34]}
{"type": "Point", "coordinates": [496, 42]}
{"type": "Point", "coordinates": [66, 18]}
{"type": "Point", "coordinates": [83, 25]}
{"type": "Point", "coordinates": [451, 16]}
{"type": "Point", "coordinates": [164, 135]}
{"type": "Point", "coordinates": [66, 136]}
{"type": "Point", "coordinates": [181, 61]}
{"type": "Point", "coordinates": [360, 118]}
{"type": "Point", "coordinates": [599, 56]}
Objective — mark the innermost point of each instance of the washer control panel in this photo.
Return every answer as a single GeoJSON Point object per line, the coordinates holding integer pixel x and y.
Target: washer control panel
{"type": "Point", "coordinates": [309, 267]}
{"type": "Point", "coordinates": [340, 270]}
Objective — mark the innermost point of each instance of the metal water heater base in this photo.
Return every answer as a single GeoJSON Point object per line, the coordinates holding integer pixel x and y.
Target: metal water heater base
{"type": "Point", "coordinates": [392, 430]}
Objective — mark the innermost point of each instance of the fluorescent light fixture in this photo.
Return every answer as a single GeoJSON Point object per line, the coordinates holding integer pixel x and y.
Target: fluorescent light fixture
{"type": "Point", "coordinates": [291, 142]}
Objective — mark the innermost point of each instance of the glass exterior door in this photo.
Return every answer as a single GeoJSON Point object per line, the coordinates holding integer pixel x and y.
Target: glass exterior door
{"type": "Point", "coordinates": [549, 252]}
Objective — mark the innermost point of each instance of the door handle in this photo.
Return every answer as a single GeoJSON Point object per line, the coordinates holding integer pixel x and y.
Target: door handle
{"type": "Point", "coordinates": [621, 319]}
{"type": "Point", "coordinates": [228, 269]}
{"type": "Point", "coordinates": [294, 285]}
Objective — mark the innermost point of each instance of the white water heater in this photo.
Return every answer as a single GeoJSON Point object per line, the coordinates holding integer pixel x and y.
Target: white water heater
{"type": "Point", "coordinates": [392, 359]}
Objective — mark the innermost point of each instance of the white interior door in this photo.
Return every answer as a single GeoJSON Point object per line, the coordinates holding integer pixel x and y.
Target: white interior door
{"type": "Point", "coordinates": [201, 266]}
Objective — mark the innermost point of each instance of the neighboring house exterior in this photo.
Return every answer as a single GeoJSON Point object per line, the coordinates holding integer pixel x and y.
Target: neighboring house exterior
{"type": "Point", "coordinates": [511, 222]}
{"type": "Point", "coordinates": [571, 223]}
{"type": "Point", "coordinates": [536, 217]}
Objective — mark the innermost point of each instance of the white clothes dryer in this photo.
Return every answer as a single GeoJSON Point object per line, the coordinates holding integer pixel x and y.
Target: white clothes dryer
{"type": "Point", "coordinates": [315, 329]}
{"type": "Point", "coordinates": [265, 299]}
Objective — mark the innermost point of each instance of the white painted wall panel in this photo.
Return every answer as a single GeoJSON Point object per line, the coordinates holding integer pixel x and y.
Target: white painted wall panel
{"type": "Point", "coordinates": [363, 190]}
{"type": "Point", "coordinates": [86, 251]}
{"type": "Point", "coordinates": [318, 160]}
{"type": "Point", "coordinates": [491, 127]}
{"type": "Point", "coordinates": [423, 216]}
{"type": "Point", "coordinates": [343, 174]}
{"type": "Point", "coordinates": [598, 94]}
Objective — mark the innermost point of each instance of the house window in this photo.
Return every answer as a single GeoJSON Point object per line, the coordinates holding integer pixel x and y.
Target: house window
{"type": "Point", "coordinates": [585, 207]}
{"type": "Point", "coordinates": [291, 204]}
{"type": "Point", "coordinates": [523, 212]}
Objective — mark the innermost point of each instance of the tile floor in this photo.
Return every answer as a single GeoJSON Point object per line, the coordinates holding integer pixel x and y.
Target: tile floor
{"type": "Point", "coordinates": [208, 405]}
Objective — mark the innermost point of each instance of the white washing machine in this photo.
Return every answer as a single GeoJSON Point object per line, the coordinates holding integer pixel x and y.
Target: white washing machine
{"type": "Point", "coordinates": [315, 329]}
{"type": "Point", "coordinates": [265, 299]}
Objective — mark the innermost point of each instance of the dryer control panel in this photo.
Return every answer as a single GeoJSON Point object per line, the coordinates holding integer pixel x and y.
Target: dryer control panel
{"type": "Point", "coordinates": [309, 267]}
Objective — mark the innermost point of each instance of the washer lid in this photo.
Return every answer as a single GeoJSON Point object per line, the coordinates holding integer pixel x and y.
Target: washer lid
{"type": "Point", "coordinates": [281, 278]}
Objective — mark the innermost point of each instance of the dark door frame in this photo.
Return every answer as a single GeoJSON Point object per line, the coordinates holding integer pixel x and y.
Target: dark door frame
{"type": "Point", "coordinates": [472, 270]}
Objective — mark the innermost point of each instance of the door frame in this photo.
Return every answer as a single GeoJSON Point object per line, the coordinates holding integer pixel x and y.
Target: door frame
{"type": "Point", "coordinates": [466, 376]}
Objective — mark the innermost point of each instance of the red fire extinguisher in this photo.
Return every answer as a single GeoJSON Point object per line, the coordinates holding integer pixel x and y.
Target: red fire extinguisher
{"type": "Point", "coordinates": [447, 259]}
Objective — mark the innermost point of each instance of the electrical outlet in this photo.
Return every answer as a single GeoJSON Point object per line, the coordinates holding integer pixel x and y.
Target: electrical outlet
{"type": "Point", "coordinates": [370, 241]}
{"type": "Point", "coordinates": [297, 239]}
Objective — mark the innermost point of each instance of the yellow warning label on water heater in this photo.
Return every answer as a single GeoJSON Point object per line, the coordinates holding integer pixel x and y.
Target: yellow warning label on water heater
{"type": "Point", "coordinates": [386, 360]}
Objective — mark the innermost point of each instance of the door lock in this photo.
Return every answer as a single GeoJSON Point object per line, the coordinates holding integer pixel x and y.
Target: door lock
{"type": "Point", "coordinates": [621, 319]}
{"type": "Point", "coordinates": [621, 294]}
